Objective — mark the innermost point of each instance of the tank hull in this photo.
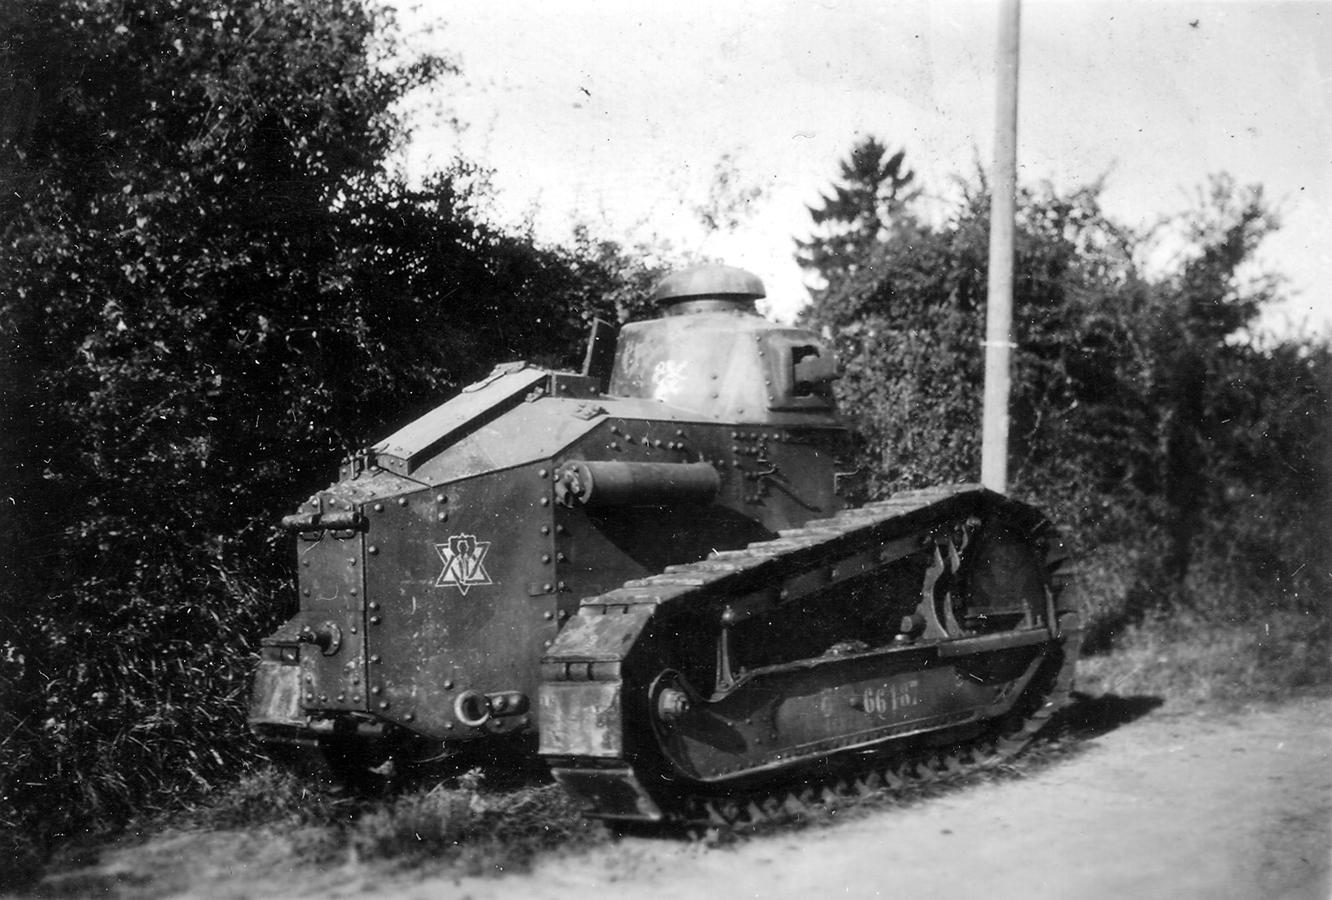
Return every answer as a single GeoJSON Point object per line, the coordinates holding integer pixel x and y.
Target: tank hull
{"type": "Point", "coordinates": [468, 553]}
{"type": "Point", "coordinates": [659, 573]}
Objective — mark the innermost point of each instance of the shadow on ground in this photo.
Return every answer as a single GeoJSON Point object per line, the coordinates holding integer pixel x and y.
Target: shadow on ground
{"type": "Point", "coordinates": [1088, 716]}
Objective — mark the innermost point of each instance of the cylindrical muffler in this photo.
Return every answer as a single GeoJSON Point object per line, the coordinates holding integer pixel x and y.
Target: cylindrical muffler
{"type": "Point", "coordinates": [595, 484]}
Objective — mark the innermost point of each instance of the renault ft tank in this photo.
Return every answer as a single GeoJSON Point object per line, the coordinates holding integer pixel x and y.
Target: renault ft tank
{"type": "Point", "coordinates": [656, 568]}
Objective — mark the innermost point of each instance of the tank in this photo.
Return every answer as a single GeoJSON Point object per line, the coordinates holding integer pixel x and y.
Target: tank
{"type": "Point", "coordinates": [654, 573]}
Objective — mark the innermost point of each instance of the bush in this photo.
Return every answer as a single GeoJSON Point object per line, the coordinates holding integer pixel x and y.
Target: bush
{"type": "Point", "coordinates": [1189, 659]}
{"type": "Point", "coordinates": [215, 286]}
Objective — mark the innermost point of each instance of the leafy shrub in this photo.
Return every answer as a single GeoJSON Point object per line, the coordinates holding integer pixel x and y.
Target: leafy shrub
{"type": "Point", "coordinates": [215, 285]}
{"type": "Point", "coordinates": [1185, 461]}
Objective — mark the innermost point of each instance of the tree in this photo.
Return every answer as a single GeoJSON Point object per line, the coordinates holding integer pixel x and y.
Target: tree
{"type": "Point", "coordinates": [730, 198]}
{"type": "Point", "coordinates": [1198, 311]}
{"type": "Point", "coordinates": [1144, 419]}
{"type": "Point", "coordinates": [873, 198]}
{"type": "Point", "coordinates": [215, 285]}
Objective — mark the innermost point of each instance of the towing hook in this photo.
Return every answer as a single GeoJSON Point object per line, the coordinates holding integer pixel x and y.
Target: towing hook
{"type": "Point", "coordinates": [471, 709]}
{"type": "Point", "coordinates": [474, 709]}
{"type": "Point", "coordinates": [327, 637]}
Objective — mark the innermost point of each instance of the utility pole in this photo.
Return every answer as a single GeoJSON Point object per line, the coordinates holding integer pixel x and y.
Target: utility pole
{"type": "Point", "coordinates": [999, 304]}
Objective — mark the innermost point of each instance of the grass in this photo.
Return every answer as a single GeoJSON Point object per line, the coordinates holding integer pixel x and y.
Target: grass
{"type": "Point", "coordinates": [1191, 659]}
{"type": "Point", "coordinates": [468, 825]}
{"type": "Point", "coordinates": [459, 822]}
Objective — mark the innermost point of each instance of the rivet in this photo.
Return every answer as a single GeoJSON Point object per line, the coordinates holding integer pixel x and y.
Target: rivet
{"type": "Point", "coordinates": [309, 679]}
{"type": "Point", "coordinates": [560, 557]}
{"type": "Point", "coordinates": [356, 698]}
{"type": "Point", "coordinates": [545, 529]}
{"type": "Point", "coordinates": [353, 629]}
{"type": "Point", "coordinates": [402, 501]}
{"type": "Point", "coordinates": [615, 429]}
{"type": "Point", "coordinates": [376, 690]}
{"type": "Point", "coordinates": [448, 726]}
{"type": "Point", "coordinates": [545, 644]}
{"type": "Point", "coordinates": [542, 473]}
{"type": "Point", "coordinates": [374, 604]}
{"type": "Point", "coordinates": [656, 443]}
{"type": "Point", "coordinates": [548, 616]}
{"type": "Point", "coordinates": [373, 550]}
{"type": "Point", "coordinates": [545, 501]}
{"type": "Point", "coordinates": [356, 680]}
{"type": "Point", "coordinates": [443, 516]}
{"type": "Point", "coordinates": [448, 685]}
{"type": "Point", "coordinates": [679, 432]}
{"type": "Point", "coordinates": [614, 446]}
{"type": "Point", "coordinates": [342, 698]}
{"type": "Point", "coordinates": [548, 587]}
{"type": "Point", "coordinates": [309, 696]}
{"type": "Point", "coordinates": [384, 704]}
{"type": "Point", "coordinates": [441, 498]}
{"type": "Point", "coordinates": [323, 698]}
{"type": "Point", "coordinates": [379, 507]}
{"type": "Point", "coordinates": [545, 557]}
{"type": "Point", "coordinates": [351, 560]}
{"type": "Point", "coordinates": [563, 586]}
{"type": "Point", "coordinates": [410, 717]}
{"type": "Point", "coordinates": [375, 658]}
{"type": "Point", "coordinates": [306, 592]}
{"type": "Point", "coordinates": [560, 529]}
{"type": "Point", "coordinates": [306, 563]}
{"type": "Point", "coordinates": [354, 592]}
{"type": "Point", "coordinates": [375, 620]}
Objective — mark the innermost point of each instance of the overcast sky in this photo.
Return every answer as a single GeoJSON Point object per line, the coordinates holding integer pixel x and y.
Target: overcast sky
{"type": "Point", "coordinates": [618, 114]}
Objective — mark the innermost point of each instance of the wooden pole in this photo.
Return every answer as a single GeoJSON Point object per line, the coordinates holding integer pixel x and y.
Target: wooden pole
{"type": "Point", "coordinates": [999, 305]}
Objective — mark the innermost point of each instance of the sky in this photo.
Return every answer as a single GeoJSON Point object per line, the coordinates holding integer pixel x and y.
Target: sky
{"type": "Point", "coordinates": [619, 115]}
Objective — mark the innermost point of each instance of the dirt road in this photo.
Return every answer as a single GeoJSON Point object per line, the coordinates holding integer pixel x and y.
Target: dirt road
{"type": "Point", "coordinates": [1168, 805]}
{"type": "Point", "coordinates": [1172, 806]}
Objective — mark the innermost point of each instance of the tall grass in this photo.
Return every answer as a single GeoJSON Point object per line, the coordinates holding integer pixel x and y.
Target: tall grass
{"type": "Point", "coordinates": [1190, 658]}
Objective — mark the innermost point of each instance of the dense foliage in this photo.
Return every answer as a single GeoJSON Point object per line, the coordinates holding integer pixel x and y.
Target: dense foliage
{"type": "Point", "coordinates": [214, 285]}
{"type": "Point", "coordinates": [1188, 459]}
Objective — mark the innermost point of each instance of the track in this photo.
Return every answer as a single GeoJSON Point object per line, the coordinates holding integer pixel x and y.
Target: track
{"type": "Point", "coordinates": [919, 634]}
{"type": "Point", "coordinates": [896, 771]}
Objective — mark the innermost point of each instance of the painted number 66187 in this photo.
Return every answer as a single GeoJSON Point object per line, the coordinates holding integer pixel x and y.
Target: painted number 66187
{"type": "Point", "coordinates": [891, 697]}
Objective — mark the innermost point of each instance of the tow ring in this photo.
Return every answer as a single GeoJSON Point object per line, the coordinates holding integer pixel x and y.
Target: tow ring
{"type": "Point", "coordinates": [472, 709]}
